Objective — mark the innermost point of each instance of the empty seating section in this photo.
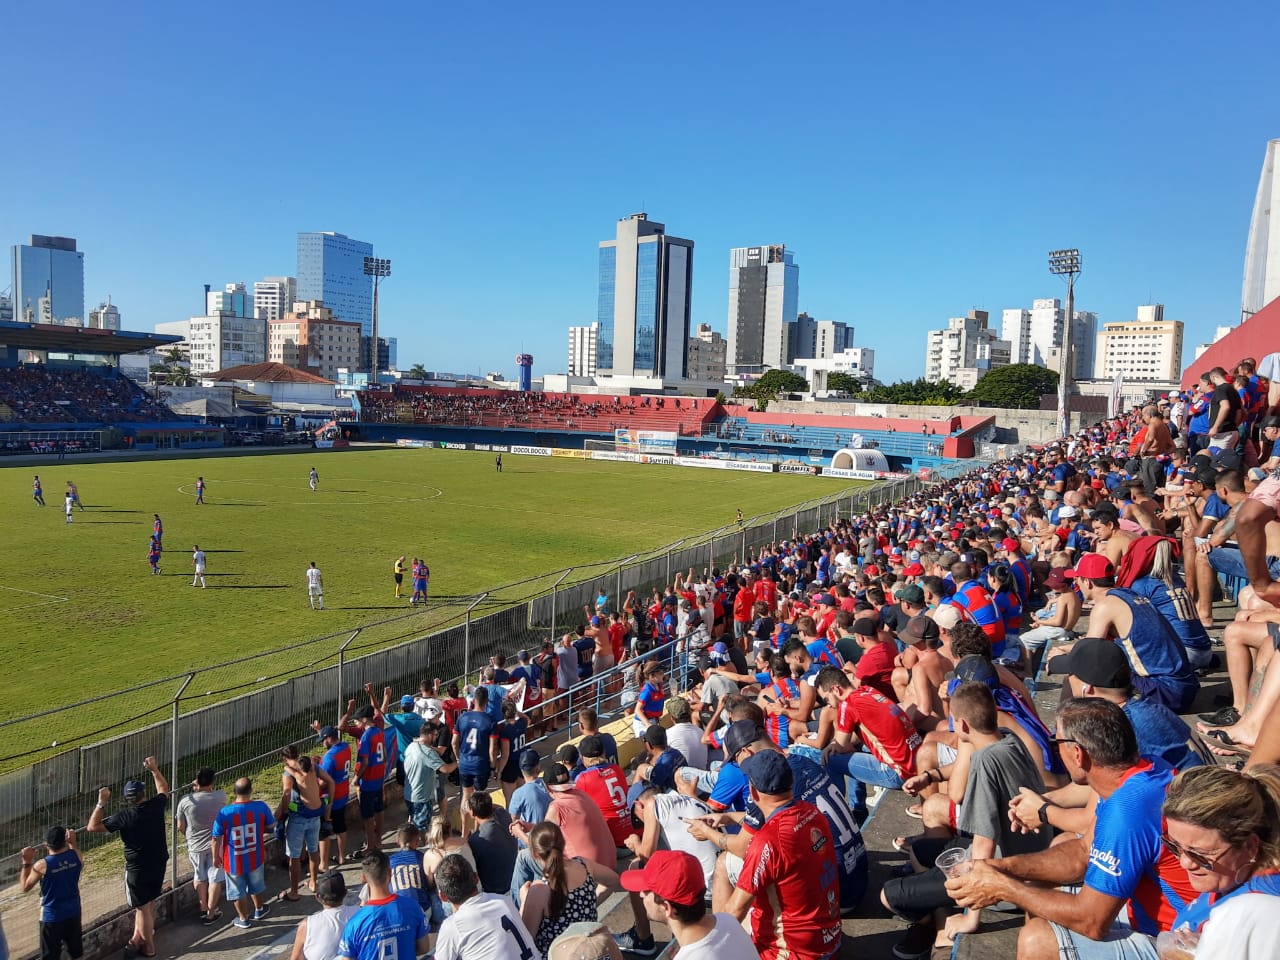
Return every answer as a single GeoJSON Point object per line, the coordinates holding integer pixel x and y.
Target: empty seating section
{"type": "Point", "coordinates": [40, 394]}
{"type": "Point", "coordinates": [805, 437]}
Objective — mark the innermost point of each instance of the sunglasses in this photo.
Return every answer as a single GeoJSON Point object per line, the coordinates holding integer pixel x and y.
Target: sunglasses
{"type": "Point", "coordinates": [1201, 860]}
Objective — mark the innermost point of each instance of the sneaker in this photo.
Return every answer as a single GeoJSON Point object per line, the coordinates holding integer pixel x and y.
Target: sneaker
{"type": "Point", "coordinates": [261, 912]}
{"type": "Point", "coordinates": [630, 942]}
{"type": "Point", "coordinates": [1222, 718]}
{"type": "Point", "coordinates": [242, 924]}
{"type": "Point", "coordinates": [917, 944]}
{"type": "Point", "coordinates": [208, 919]}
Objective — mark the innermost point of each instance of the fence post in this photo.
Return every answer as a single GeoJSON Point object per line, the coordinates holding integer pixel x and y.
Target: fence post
{"type": "Point", "coordinates": [466, 650]}
{"type": "Point", "coordinates": [621, 564]}
{"type": "Point", "coordinates": [342, 660]}
{"type": "Point", "coordinates": [555, 598]}
{"type": "Point", "coordinates": [173, 775]}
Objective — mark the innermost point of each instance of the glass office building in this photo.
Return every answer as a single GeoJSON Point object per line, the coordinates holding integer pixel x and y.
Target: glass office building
{"type": "Point", "coordinates": [48, 281]}
{"type": "Point", "coordinates": [645, 279]}
{"type": "Point", "coordinates": [331, 268]}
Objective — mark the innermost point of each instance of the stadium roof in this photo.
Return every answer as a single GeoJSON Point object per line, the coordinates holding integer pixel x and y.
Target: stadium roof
{"type": "Point", "coordinates": [266, 373]}
{"type": "Point", "coordinates": [59, 339]}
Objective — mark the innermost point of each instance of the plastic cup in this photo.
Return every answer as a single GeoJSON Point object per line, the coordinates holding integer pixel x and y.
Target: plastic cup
{"type": "Point", "coordinates": [954, 862]}
{"type": "Point", "coordinates": [1176, 944]}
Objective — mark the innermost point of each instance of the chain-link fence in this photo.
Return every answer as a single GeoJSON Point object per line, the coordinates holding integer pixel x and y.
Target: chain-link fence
{"type": "Point", "coordinates": [236, 716]}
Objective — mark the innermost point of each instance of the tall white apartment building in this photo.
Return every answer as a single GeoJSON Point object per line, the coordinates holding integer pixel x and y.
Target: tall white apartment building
{"type": "Point", "coordinates": [1035, 336]}
{"type": "Point", "coordinates": [105, 316]}
{"type": "Point", "coordinates": [1262, 253]}
{"type": "Point", "coordinates": [1148, 348]}
{"type": "Point", "coordinates": [764, 296]}
{"type": "Point", "coordinates": [964, 351]}
{"type": "Point", "coordinates": [273, 297]}
{"type": "Point", "coordinates": [582, 350]}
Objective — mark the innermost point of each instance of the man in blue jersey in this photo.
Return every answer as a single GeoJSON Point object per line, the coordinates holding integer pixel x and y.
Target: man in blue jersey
{"type": "Point", "coordinates": [371, 773]}
{"type": "Point", "coordinates": [59, 877]}
{"type": "Point", "coordinates": [336, 762]}
{"type": "Point", "coordinates": [387, 927]}
{"type": "Point", "coordinates": [239, 844]}
{"type": "Point", "coordinates": [475, 744]}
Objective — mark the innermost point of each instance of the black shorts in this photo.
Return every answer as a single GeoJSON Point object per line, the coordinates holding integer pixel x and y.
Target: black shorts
{"type": "Point", "coordinates": [915, 897]}
{"type": "Point", "coordinates": [339, 824]}
{"type": "Point", "coordinates": [55, 934]}
{"type": "Point", "coordinates": [370, 803]}
{"type": "Point", "coordinates": [399, 578]}
{"type": "Point", "coordinates": [510, 773]}
{"type": "Point", "coordinates": [144, 884]}
{"type": "Point", "coordinates": [479, 780]}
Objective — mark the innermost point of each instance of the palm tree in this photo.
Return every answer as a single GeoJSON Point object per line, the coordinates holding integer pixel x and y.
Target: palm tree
{"type": "Point", "coordinates": [417, 372]}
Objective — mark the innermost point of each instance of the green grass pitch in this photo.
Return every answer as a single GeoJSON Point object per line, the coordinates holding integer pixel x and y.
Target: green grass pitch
{"type": "Point", "coordinates": [82, 616]}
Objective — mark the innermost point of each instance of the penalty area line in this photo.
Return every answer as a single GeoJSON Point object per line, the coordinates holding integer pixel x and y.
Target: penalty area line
{"type": "Point", "coordinates": [47, 599]}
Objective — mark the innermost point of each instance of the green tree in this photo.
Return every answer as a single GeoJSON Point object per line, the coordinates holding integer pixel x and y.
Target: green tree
{"type": "Point", "coordinates": [844, 382]}
{"type": "Point", "coordinates": [416, 372]}
{"type": "Point", "coordinates": [1017, 386]}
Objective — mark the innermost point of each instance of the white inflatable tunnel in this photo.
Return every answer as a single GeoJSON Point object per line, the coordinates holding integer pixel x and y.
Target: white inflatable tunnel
{"type": "Point", "coordinates": [849, 459]}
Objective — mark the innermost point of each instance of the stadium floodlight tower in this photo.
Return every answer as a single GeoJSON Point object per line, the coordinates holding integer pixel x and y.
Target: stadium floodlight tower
{"type": "Point", "coordinates": [377, 268]}
{"type": "Point", "coordinates": [1066, 263]}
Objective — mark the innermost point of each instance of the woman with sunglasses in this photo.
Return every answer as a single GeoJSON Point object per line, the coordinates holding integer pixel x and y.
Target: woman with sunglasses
{"type": "Point", "coordinates": [1224, 828]}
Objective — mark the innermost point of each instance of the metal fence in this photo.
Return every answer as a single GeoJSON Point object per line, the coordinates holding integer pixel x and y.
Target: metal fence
{"type": "Point", "coordinates": [236, 716]}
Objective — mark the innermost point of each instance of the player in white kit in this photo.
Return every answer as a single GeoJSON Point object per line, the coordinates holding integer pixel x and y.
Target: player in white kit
{"type": "Point", "coordinates": [197, 558]}
{"type": "Point", "coordinates": [315, 587]}
{"type": "Point", "coordinates": [313, 480]}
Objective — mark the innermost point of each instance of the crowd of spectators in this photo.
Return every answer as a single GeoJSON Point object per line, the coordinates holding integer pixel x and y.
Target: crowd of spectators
{"type": "Point", "coordinates": [774, 701]}
{"type": "Point", "coordinates": [35, 393]}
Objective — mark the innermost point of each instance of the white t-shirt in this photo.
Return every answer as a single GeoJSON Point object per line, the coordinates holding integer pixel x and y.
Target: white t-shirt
{"type": "Point", "coordinates": [1246, 927]}
{"type": "Point", "coordinates": [726, 939]}
{"type": "Point", "coordinates": [486, 927]}
{"type": "Point", "coordinates": [670, 809]}
{"type": "Point", "coordinates": [687, 738]}
{"type": "Point", "coordinates": [313, 580]}
{"type": "Point", "coordinates": [198, 558]}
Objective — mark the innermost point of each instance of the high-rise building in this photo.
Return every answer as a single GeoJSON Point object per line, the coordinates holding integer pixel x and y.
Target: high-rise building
{"type": "Point", "coordinates": [582, 350]}
{"type": "Point", "coordinates": [764, 296]}
{"type": "Point", "coordinates": [6, 308]}
{"type": "Point", "coordinates": [48, 281]}
{"type": "Point", "coordinates": [1035, 336]}
{"type": "Point", "coordinates": [1262, 252]}
{"type": "Point", "coordinates": [817, 339]}
{"type": "Point", "coordinates": [311, 339]}
{"type": "Point", "coordinates": [388, 348]}
{"type": "Point", "coordinates": [105, 316]}
{"type": "Point", "coordinates": [331, 269]}
{"type": "Point", "coordinates": [234, 300]}
{"type": "Point", "coordinates": [966, 350]}
{"type": "Point", "coordinates": [707, 353]}
{"type": "Point", "coordinates": [273, 297]}
{"type": "Point", "coordinates": [643, 305]}
{"type": "Point", "coordinates": [1148, 348]}
{"type": "Point", "coordinates": [229, 335]}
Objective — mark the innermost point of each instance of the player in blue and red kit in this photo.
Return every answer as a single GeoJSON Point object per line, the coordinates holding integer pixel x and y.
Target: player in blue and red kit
{"type": "Point", "coordinates": [153, 555]}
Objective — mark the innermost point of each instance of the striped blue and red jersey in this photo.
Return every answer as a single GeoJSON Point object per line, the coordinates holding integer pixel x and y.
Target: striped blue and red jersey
{"type": "Point", "coordinates": [824, 651]}
{"type": "Point", "coordinates": [336, 763]}
{"type": "Point", "coordinates": [778, 725]}
{"type": "Point", "coordinates": [973, 596]}
{"type": "Point", "coordinates": [372, 756]}
{"type": "Point", "coordinates": [243, 827]}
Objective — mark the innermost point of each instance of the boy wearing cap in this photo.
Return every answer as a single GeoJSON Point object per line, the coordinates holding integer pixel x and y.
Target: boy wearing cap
{"type": "Point", "coordinates": [674, 892]}
{"type": "Point", "coordinates": [662, 760]}
{"type": "Point", "coordinates": [530, 801]}
{"type": "Point", "coordinates": [920, 671]}
{"type": "Point", "coordinates": [58, 874]}
{"type": "Point", "coordinates": [142, 830]}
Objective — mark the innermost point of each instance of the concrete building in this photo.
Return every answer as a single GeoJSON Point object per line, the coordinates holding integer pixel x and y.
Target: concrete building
{"type": "Point", "coordinates": [582, 350]}
{"type": "Point", "coordinates": [964, 351]}
{"type": "Point", "coordinates": [228, 335]}
{"type": "Point", "coordinates": [707, 354]}
{"type": "Point", "coordinates": [233, 300]}
{"type": "Point", "coordinates": [273, 297]}
{"type": "Point", "coordinates": [643, 304]}
{"type": "Point", "coordinates": [309, 338]}
{"type": "Point", "coordinates": [817, 339]}
{"type": "Point", "coordinates": [388, 353]}
{"type": "Point", "coordinates": [105, 316]}
{"type": "Point", "coordinates": [764, 296]}
{"type": "Point", "coordinates": [6, 308]}
{"type": "Point", "coordinates": [1148, 348]}
{"type": "Point", "coordinates": [1262, 251]}
{"type": "Point", "coordinates": [1035, 336]}
{"type": "Point", "coordinates": [48, 281]}
{"type": "Point", "coordinates": [859, 362]}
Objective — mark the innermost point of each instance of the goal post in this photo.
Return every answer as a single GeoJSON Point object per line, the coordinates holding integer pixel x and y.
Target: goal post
{"type": "Point", "coordinates": [606, 445]}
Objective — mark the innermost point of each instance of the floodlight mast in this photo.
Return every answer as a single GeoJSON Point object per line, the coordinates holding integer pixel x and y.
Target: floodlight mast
{"type": "Point", "coordinates": [1066, 263]}
{"type": "Point", "coordinates": [375, 267]}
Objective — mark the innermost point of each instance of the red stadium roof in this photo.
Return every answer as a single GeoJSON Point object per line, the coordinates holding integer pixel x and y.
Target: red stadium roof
{"type": "Point", "coordinates": [1256, 337]}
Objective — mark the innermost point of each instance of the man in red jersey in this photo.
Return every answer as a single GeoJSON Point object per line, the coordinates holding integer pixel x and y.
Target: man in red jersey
{"type": "Point", "coordinates": [789, 879]}
{"type": "Point", "coordinates": [606, 784]}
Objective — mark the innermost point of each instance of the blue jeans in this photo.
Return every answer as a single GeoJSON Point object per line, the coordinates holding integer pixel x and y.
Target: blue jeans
{"type": "Point", "coordinates": [1228, 562]}
{"type": "Point", "coordinates": [861, 769]}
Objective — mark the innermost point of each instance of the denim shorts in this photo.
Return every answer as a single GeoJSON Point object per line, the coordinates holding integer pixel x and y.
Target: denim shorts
{"type": "Point", "coordinates": [301, 833]}
{"type": "Point", "coordinates": [247, 884]}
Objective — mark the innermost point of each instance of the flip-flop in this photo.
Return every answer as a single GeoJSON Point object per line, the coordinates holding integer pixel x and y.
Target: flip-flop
{"type": "Point", "coordinates": [916, 811]}
{"type": "Point", "coordinates": [1224, 738]}
{"type": "Point", "coordinates": [902, 844]}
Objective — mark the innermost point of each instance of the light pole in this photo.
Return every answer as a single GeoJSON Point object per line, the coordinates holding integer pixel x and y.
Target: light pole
{"type": "Point", "coordinates": [1065, 263]}
{"type": "Point", "coordinates": [377, 268]}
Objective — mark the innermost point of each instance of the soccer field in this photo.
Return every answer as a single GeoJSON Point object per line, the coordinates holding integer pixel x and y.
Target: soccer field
{"type": "Point", "coordinates": [82, 615]}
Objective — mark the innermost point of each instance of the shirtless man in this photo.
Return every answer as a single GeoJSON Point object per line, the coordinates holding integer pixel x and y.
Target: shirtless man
{"type": "Point", "coordinates": [1108, 538]}
{"type": "Point", "coordinates": [1157, 443]}
{"type": "Point", "coordinates": [1142, 509]}
{"type": "Point", "coordinates": [919, 672]}
{"type": "Point", "coordinates": [598, 630]}
{"type": "Point", "coordinates": [301, 803]}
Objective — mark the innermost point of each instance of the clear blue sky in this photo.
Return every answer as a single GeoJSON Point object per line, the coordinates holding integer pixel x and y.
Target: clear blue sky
{"type": "Point", "coordinates": [920, 160]}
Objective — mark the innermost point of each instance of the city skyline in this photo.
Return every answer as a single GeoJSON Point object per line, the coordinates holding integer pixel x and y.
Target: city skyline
{"type": "Point", "coordinates": [1152, 174]}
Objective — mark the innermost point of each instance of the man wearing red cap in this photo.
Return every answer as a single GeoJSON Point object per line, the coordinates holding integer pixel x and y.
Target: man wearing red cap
{"type": "Point", "coordinates": [674, 892]}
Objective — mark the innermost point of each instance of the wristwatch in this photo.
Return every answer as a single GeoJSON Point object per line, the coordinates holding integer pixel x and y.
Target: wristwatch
{"type": "Point", "coordinates": [1044, 813]}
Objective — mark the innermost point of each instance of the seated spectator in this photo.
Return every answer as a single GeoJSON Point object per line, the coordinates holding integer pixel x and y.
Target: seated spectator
{"type": "Point", "coordinates": [1168, 594]}
{"type": "Point", "coordinates": [320, 933]}
{"type": "Point", "coordinates": [481, 924]}
{"type": "Point", "coordinates": [606, 785]}
{"type": "Point", "coordinates": [569, 892]}
{"type": "Point", "coordinates": [661, 761]}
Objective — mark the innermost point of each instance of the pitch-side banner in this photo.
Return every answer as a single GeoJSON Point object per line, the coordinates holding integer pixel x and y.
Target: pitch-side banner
{"type": "Point", "coordinates": [645, 441]}
{"type": "Point", "coordinates": [723, 464]}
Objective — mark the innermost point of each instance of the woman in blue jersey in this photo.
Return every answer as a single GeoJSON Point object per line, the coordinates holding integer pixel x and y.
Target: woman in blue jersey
{"type": "Point", "coordinates": [1224, 828]}
{"type": "Point", "coordinates": [1004, 593]}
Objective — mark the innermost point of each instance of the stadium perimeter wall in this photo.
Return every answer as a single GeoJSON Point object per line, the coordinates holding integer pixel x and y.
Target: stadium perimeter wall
{"type": "Point", "coordinates": [237, 716]}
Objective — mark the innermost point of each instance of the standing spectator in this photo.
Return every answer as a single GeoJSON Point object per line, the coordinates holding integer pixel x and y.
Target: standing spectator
{"type": "Point", "coordinates": [318, 935]}
{"type": "Point", "coordinates": [387, 926]}
{"type": "Point", "coordinates": [239, 842]}
{"type": "Point", "coordinates": [423, 765]}
{"type": "Point", "coordinates": [59, 877]}
{"type": "Point", "coordinates": [196, 813]}
{"type": "Point", "coordinates": [674, 892]}
{"type": "Point", "coordinates": [371, 772]}
{"type": "Point", "coordinates": [651, 701]}
{"type": "Point", "coordinates": [566, 676]}
{"type": "Point", "coordinates": [302, 810]}
{"type": "Point", "coordinates": [336, 762]}
{"type": "Point", "coordinates": [142, 831]}
{"type": "Point", "coordinates": [482, 925]}
{"type": "Point", "coordinates": [475, 743]}
{"type": "Point", "coordinates": [492, 844]}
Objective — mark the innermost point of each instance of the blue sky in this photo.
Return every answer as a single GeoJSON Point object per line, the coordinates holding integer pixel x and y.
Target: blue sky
{"type": "Point", "coordinates": [920, 160]}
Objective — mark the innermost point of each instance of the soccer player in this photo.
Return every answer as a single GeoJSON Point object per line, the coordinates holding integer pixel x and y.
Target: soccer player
{"type": "Point", "coordinates": [421, 576]}
{"type": "Point", "coordinates": [387, 926]}
{"type": "Point", "coordinates": [199, 490]}
{"type": "Point", "coordinates": [37, 491]}
{"type": "Point", "coordinates": [70, 504]}
{"type": "Point", "coordinates": [475, 743]}
{"type": "Point", "coordinates": [74, 494]}
{"type": "Point", "coordinates": [497, 463]}
{"type": "Point", "coordinates": [313, 480]}
{"type": "Point", "coordinates": [157, 528]}
{"type": "Point", "coordinates": [197, 559]}
{"type": "Point", "coordinates": [153, 555]}
{"type": "Point", "coordinates": [315, 587]}
{"type": "Point", "coordinates": [397, 571]}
